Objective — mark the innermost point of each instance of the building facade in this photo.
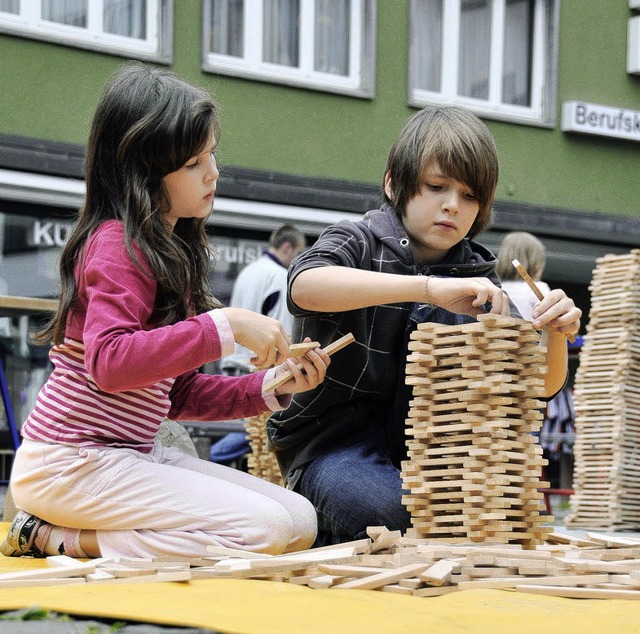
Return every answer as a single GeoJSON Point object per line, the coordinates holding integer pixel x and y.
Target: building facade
{"type": "Point", "coordinates": [313, 92]}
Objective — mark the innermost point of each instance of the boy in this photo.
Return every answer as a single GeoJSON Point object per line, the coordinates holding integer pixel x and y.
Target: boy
{"type": "Point", "coordinates": [413, 260]}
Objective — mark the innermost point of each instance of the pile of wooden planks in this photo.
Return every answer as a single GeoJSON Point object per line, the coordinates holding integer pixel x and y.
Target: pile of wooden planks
{"type": "Point", "coordinates": [473, 472]}
{"type": "Point", "coordinates": [261, 462]}
{"type": "Point", "coordinates": [607, 401]}
{"type": "Point", "coordinates": [598, 566]}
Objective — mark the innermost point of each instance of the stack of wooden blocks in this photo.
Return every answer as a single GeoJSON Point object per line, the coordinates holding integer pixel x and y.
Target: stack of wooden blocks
{"type": "Point", "coordinates": [607, 401]}
{"type": "Point", "coordinates": [473, 473]}
{"type": "Point", "coordinates": [261, 462]}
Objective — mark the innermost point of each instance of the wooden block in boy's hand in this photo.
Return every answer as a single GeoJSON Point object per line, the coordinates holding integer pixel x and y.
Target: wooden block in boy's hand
{"type": "Point", "coordinates": [338, 344]}
{"type": "Point", "coordinates": [297, 350]}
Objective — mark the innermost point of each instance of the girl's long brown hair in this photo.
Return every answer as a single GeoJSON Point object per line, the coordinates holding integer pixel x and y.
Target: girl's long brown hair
{"type": "Point", "coordinates": [148, 123]}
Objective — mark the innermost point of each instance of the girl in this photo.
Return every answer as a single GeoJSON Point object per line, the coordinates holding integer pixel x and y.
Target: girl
{"type": "Point", "coordinates": [136, 321]}
{"type": "Point", "coordinates": [530, 251]}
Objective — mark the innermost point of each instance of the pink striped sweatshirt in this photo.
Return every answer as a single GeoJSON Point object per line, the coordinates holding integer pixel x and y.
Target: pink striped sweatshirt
{"type": "Point", "coordinates": [116, 377]}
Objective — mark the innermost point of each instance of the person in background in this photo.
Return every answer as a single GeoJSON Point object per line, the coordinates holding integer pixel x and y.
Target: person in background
{"type": "Point", "coordinates": [559, 414]}
{"type": "Point", "coordinates": [136, 321]}
{"type": "Point", "coordinates": [261, 287]}
{"type": "Point", "coordinates": [412, 260]}
{"type": "Point", "coordinates": [530, 252]}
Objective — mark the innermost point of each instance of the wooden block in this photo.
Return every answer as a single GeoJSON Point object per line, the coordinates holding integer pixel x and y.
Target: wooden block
{"type": "Point", "coordinates": [384, 578]}
{"type": "Point", "coordinates": [332, 348]}
{"type": "Point", "coordinates": [613, 541]}
{"type": "Point", "coordinates": [64, 561]}
{"type": "Point", "coordinates": [579, 593]}
{"type": "Point", "coordinates": [395, 588]}
{"type": "Point", "coordinates": [440, 573]}
{"type": "Point", "coordinates": [352, 570]}
{"type": "Point", "coordinates": [99, 575]}
{"type": "Point", "coordinates": [562, 538]}
{"type": "Point", "coordinates": [53, 572]}
{"type": "Point", "coordinates": [33, 583]}
{"type": "Point", "coordinates": [306, 557]}
{"type": "Point", "coordinates": [160, 577]}
{"type": "Point", "coordinates": [321, 582]}
{"type": "Point", "coordinates": [121, 571]}
{"type": "Point", "coordinates": [385, 540]}
{"type": "Point", "coordinates": [297, 350]}
{"type": "Point", "coordinates": [434, 592]}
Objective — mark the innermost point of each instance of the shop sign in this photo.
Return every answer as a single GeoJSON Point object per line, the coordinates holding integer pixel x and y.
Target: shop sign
{"type": "Point", "coordinates": [231, 252]}
{"type": "Point", "coordinates": [47, 233]}
{"type": "Point", "coordinates": [589, 118]}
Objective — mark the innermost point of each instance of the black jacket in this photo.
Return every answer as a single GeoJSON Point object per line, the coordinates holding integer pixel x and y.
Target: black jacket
{"type": "Point", "coordinates": [365, 383]}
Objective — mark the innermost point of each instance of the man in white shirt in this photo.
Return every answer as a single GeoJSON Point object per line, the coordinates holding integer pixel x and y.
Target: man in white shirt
{"type": "Point", "coordinates": [262, 287]}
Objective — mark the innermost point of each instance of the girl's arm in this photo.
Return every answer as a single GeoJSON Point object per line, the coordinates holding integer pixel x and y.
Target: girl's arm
{"type": "Point", "coordinates": [123, 349]}
{"type": "Point", "coordinates": [213, 397]}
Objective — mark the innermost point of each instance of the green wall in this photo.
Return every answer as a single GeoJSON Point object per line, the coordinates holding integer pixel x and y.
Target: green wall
{"type": "Point", "coordinates": [49, 91]}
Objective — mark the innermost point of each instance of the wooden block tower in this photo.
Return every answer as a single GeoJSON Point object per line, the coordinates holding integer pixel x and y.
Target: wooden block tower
{"type": "Point", "coordinates": [607, 401]}
{"type": "Point", "coordinates": [474, 466]}
{"type": "Point", "coordinates": [261, 462]}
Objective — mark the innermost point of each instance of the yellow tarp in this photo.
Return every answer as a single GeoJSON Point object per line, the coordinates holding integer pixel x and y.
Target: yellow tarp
{"type": "Point", "coordinates": [268, 607]}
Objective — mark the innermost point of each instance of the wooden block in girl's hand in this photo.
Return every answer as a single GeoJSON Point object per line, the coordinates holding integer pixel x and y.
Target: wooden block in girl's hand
{"type": "Point", "coordinates": [338, 344]}
{"type": "Point", "coordinates": [297, 350]}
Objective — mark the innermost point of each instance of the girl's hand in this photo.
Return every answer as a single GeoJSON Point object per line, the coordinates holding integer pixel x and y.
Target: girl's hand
{"type": "Point", "coordinates": [315, 364]}
{"type": "Point", "coordinates": [557, 313]}
{"type": "Point", "coordinates": [264, 335]}
{"type": "Point", "coordinates": [467, 295]}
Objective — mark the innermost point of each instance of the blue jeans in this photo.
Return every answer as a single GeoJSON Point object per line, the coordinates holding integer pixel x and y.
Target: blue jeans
{"type": "Point", "coordinates": [353, 487]}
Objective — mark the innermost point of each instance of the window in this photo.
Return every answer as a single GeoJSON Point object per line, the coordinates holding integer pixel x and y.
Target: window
{"type": "Point", "coordinates": [138, 29]}
{"type": "Point", "coordinates": [497, 57]}
{"type": "Point", "coordinates": [321, 44]}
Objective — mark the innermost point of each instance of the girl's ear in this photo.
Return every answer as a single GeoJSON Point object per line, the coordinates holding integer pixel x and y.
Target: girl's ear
{"type": "Point", "coordinates": [388, 189]}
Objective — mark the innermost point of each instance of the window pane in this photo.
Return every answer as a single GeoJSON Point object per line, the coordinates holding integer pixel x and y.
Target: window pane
{"type": "Point", "coordinates": [332, 36]}
{"type": "Point", "coordinates": [426, 34]}
{"type": "Point", "coordinates": [518, 42]}
{"type": "Point", "coordinates": [227, 26]}
{"type": "Point", "coordinates": [10, 6]}
{"type": "Point", "coordinates": [73, 12]}
{"type": "Point", "coordinates": [281, 32]}
{"type": "Point", "coordinates": [125, 17]}
{"type": "Point", "coordinates": [475, 40]}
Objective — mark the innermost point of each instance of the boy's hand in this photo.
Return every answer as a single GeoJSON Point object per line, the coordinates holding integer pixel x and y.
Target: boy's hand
{"type": "Point", "coordinates": [467, 295]}
{"type": "Point", "coordinates": [557, 313]}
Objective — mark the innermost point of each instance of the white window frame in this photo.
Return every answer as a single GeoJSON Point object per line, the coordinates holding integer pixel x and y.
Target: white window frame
{"type": "Point", "coordinates": [541, 112]}
{"type": "Point", "coordinates": [156, 47]}
{"type": "Point", "coordinates": [360, 82]}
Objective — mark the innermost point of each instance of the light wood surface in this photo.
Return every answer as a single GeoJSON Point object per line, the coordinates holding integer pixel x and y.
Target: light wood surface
{"type": "Point", "coordinates": [15, 306]}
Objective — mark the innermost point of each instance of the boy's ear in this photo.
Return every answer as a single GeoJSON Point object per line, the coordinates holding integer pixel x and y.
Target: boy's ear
{"type": "Point", "coordinates": [388, 189]}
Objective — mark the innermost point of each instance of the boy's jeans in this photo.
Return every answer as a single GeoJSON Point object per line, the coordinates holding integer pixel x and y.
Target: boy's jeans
{"type": "Point", "coordinates": [354, 487]}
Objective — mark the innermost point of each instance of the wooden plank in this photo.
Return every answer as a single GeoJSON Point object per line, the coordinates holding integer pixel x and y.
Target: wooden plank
{"type": "Point", "coordinates": [297, 350]}
{"type": "Point", "coordinates": [332, 348]}
{"type": "Point", "coordinates": [579, 593]}
{"type": "Point", "coordinates": [383, 578]}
